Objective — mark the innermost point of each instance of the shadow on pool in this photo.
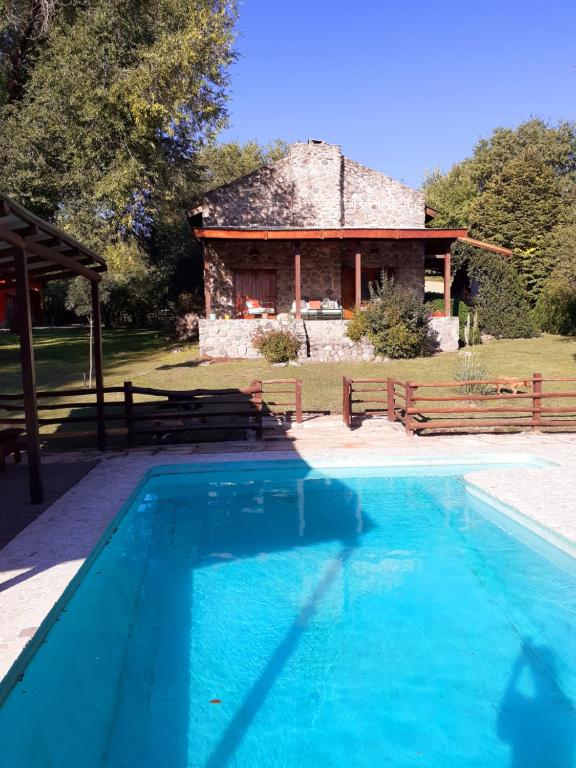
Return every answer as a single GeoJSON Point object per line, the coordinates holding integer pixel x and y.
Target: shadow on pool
{"type": "Point", "coordinates": [539, 726]}
{"type": "Point", "coordinates": [256, 697]}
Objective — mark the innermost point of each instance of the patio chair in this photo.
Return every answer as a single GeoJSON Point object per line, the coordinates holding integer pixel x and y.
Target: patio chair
{"type": "Point", "coordinates": [253, 309]}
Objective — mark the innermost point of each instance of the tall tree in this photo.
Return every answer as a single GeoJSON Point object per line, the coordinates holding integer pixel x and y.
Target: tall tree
{"type": "Point", "coordinates": [226, 162]}
{"type": "Point", "coordinates": [514, 190]}
{"type": "Point", "coordinates": [23, 27]}
{"type": "Point", "coordinates": [103, 131]}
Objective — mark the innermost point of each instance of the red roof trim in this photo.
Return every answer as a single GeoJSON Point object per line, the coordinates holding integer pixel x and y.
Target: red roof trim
{"type": "Point", "coordinates": [329, 234]}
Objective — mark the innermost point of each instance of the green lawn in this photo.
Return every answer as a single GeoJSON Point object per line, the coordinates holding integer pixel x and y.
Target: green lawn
{"type": "Point", "coordinates": [152, 359]}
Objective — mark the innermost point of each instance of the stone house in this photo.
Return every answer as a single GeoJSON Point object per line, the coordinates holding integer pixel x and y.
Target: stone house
{"type": "Point", "coordinates": [301, 239]}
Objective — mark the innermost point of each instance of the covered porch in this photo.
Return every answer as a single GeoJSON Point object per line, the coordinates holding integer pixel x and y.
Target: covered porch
{"type": "Point", "coordinates": [303, 272]}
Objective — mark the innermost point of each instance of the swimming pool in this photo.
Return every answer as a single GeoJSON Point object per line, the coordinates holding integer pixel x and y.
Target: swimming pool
{"type": "Point", "coordinates": [277, 615]}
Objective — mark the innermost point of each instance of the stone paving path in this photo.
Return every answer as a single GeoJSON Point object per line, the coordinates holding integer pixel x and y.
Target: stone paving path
{"type": "Point", "coordinates": [37, 565]}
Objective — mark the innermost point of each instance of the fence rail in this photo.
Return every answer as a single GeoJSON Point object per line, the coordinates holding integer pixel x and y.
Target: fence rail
{"type": "Point", "coordinates": [131, 410]}
{"type": "Point", "coordinates": [465, 405]}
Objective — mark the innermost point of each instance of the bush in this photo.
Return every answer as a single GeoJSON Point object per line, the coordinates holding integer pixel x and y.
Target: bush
{"type": "Point", "coordinates": [395, 321]}
{"type": "Point", "coordinates": [502, 303]}
{"type": "Point", "coordinates": [357, 327]}
{"type": "Point", "coordinates": [276, 346]}
{"type": "Point", "coordinates": [555, 310]}
{"type": "Point", "coordinates": [469, 368]}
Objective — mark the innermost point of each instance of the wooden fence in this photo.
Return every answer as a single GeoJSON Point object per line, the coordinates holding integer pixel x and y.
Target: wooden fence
{"type": "Point", "coordinates": [131, 410]}
{"type": "Point", "coordinates": [533, 403]}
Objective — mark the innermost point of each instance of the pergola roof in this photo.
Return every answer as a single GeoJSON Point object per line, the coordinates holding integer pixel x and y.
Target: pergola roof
{"type": "Point", "coordinates": [437, 240]}
{"type": "Point", "coordinates": [50, 253]}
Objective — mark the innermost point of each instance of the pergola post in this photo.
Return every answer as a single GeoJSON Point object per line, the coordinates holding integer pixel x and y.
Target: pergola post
{"type": "Point", "coordinates": [97, 329]}
{"type": "Point", "coordinates": [447, 285]}
{"type": "Point", "coordinates": [298, 283]}
{"type": "Point", "coordinates": [24, 319]}
{"type": "Point", "coordinates": [358, 279]}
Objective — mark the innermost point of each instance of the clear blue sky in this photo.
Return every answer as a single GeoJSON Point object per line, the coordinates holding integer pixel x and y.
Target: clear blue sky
{"type": "Point", "coordinates": [403, 86]}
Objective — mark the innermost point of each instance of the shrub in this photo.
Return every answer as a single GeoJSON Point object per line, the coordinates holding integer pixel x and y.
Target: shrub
{"type": "Point", "coordinates": [555, 310]}
{"type": "Point", "coordinates": [400, 341]}
{"type": "Point", "coordinates": [395, 321]}
{"type": "Point", "coordinates": [357, 327]}
{"type": "Point", "coordinates": [470, 368]}
{"type": "Point", "coordinates": [276, 346]}
{"type": "Point", "coordinates": [502, 302]}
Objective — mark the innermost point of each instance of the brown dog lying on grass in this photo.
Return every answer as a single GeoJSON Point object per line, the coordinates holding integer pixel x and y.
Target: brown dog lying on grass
{"type": "Point", "coordinates": [512, 385]}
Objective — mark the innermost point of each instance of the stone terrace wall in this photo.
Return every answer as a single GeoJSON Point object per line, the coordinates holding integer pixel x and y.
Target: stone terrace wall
{"type": "Point", "coordinates": [321, 340]}
{"type": "Point", "coordinates": [327, 342]}
{"type": "Point", "coordinates": [233, 338]}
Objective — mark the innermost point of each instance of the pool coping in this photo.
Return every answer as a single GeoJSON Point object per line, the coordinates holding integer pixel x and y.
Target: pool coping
{"type": "Point", "coordinates": [135, 471]}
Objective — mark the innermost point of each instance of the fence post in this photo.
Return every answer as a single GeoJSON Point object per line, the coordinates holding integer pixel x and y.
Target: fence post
{"type": "Point", "coordinates": [391, 398]}
{"type": "Point", "coordinates": [128, 410]}
{"type": "Point", "coordinates": [346, 415]}
{"type": "Point", "coordinates": [408, 416]}
{"type": "Point", "coordinates": [257, 400]}
{"type": "Point", "coordinates": [298, 387]}
{"type": "Point", "coordinates": [536, 402]}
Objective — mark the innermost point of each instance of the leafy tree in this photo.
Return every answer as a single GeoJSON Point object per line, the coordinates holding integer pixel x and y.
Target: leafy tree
{"type": "Point", "coordinates": [501, 303]}
{"type": "Point", "coordinates": [23, 26]}
{"type": "Point", "coordinates": [226, 162]}
{"type": "Point", "coordinates": [555, 310]}
{"type": "Point", "coordinates": [117, 99]}
{"type": "Point", "coordinates": [514, 190]}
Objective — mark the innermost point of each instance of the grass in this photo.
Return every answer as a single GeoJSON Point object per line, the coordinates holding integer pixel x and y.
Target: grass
{"type": "Point", "coordinates": [149, 358]}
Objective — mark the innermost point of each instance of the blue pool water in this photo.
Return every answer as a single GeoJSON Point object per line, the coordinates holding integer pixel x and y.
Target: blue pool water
{"type": "Point", "coordinates": [377, 617]}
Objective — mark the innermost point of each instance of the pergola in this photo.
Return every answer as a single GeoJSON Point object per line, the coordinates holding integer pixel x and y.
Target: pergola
{"type": "Point", "coordinates": [30, 248]}
{"type": "Point", "coordinates": [437, 246]}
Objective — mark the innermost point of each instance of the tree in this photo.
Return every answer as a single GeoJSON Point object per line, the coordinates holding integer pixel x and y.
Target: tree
{"type": "Point", "coordinates": [113, 107]}
{"type": "Point", "coordinates": [226, 162]}
{"type": "Point", "coordinates": [514, 190]}
{"type": "Point", "coordinates": [23, 26]}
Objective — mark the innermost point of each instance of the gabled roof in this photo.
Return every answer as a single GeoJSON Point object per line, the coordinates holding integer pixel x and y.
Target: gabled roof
{"type": "Point", "coordinates": [51, 254]}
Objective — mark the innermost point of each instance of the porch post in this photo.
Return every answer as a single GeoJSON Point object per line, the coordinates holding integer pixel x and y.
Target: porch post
{"type": "Point", "coordinates": [24, 320]}
{"type": "Point", "coordinates": [97, 326]}
{"type": "Point", "coordinates": [298, 283]}
{"type": "Point", "coordinates": [358, 278]}
{"type": "Point", "coordinates": [207, 297]}
{"type": "Point", "coordinates": [447, 285]}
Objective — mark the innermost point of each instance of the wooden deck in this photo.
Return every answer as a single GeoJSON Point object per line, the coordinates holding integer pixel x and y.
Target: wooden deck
{"type": "Point", "coordinates": [16, 512]}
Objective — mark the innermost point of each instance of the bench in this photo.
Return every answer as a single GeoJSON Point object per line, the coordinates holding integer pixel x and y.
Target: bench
{"type": "Point", "coordinates": [11, 441]}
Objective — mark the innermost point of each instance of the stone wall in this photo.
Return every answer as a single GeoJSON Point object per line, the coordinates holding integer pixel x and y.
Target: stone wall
{"type": "Point", "coordinates": [314, 186]}
{"type": "Point", "coordinates": [233, 338]}
{"type": "Point", "coordinates": [327, 342]}
{"type": "Point", "coordinates": [372, 199]}
{"type": "Point", "coordinates": [321, 265]}
{"type": "Point", "coordinates": [321, 340]}
{"type": "Point", "coordinates": [300, 190]}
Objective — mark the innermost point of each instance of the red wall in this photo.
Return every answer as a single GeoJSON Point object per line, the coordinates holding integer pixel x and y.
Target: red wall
{"type": "Point", "coordinates": [35, 288]}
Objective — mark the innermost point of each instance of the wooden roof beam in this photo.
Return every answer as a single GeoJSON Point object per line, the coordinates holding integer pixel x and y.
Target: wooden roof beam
{"type": "Point", "coordinates": [329, 234]}
{"type": "Point", "coordinates": [37, 249]}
